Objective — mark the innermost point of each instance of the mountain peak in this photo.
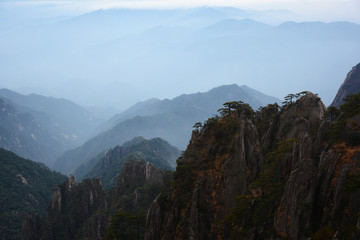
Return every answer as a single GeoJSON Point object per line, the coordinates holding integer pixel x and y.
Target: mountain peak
{"type": "Point", "coordinates": [351, 85]}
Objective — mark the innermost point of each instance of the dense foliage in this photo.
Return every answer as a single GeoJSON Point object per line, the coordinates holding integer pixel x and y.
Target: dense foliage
{"type": "Point", "coordinates": [126, 226]}
{"type": "Point", "coordinates": [25, 187]}
{"type": "Point", "coordinates": [344, 126]}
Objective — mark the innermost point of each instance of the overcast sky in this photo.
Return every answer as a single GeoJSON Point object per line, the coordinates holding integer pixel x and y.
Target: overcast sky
{"type": "Point", "coordinates": [308, 10]}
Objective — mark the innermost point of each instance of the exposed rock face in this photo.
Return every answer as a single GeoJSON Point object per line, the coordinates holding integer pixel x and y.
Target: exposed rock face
{"type": "Point", "coordinates": [296, 189]}
{"type": "Point", "coordinates": [84, 211]}
{"type": "Point", "coordinates": [71, 204]}
{"type": "Point", "coordinates": [138, 173]}
{"type": "Point", "coordinates": [351, 85]}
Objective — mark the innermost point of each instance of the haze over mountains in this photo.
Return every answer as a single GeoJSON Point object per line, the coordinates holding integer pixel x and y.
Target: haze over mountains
{"type": "Point", "coordinates": [42, 128]}
{"type": "Point", "coordinates": [171, 120]}
{"type": "Point", "coordinates": [112, 54]}
{"type": "Point", "coordinates": [113, 96]}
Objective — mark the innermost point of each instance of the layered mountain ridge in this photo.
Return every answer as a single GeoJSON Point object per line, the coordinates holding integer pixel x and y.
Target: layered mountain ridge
{"type": "Point", "coordinates": [171, 120]}
{"type": "Point", "coordinates": [41, 128]}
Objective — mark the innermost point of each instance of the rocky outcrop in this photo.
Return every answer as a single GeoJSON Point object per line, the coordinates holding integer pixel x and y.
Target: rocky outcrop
{"type": "Point", "coordinates": [351, 85]}
{"type": "Point", "coordinates": [138, 173]}
{"type": "Point", "coordinates": [71, 205]}
{"type": "Point", "coordinates": [269, 175]}
{"type": "Point", "coordinates": [84, 211]}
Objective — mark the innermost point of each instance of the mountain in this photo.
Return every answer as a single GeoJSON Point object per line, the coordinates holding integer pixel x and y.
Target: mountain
{"type": "Point", "coordinates": [171, 120]}
{"type": "Point", "coordinates": [30, 134]}
{"type": "Point", "coordinates": [206, 102]}
{"type": "Point", "coordinates": [41, 128]}
{"type": "Point", "coordinates": [25, 188]}
{"type": "Point", "coordinates": [351, 85]}
{"type": "Point", "coordinates": [84, 211]}
{"type": "Point", "coordinates": [195, 48]}
{"type": "Point", "coordinates": [278, 173]}
{"type": "Point", "coordinates": [73, 121]}
{"type": "Point", "coordinates": [231, 27]}
{"type": "Point", "coordinates": [108, 164]}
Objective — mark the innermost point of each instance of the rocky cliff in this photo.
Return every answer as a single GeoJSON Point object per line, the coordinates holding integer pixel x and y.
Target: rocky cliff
{"type": "Point", "coordinates": [351, 85]}
{"type": "Point", "coordinates": [278, 173]}
{"type": "Point", "coordinates": [84, 211]}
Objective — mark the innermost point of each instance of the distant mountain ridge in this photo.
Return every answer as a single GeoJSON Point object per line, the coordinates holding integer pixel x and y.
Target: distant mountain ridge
{"type": "Point", "coordinates": [171, 120]}
{"type": "Point", "coordinates": [201, 101]}
{"type": "Point", "coordinates": [176, 46]}
{"type": "Point", "coordinates": [74, 119]}
{"type": "Point", "coordinates": [41, 128]}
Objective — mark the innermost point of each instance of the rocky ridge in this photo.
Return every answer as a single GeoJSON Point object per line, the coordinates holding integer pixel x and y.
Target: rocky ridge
{"type": "Point", "coordinates": [272, 174]}
{"type": "Point", "coordinates": [84, 211]}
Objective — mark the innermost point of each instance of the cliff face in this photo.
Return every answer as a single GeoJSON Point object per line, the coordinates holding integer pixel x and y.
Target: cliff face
{"type": "Point", "coordinates": [351, 85]}
{"type": "Point", "coordinates": [84, 211]}
{"type": "Point", "coordinates": [265, 175]}
{"type": "Point", "coordinates": [71, 204]}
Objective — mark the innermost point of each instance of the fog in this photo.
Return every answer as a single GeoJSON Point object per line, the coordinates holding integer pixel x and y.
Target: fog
{"type": "Point", "coordinates": [115, 57]}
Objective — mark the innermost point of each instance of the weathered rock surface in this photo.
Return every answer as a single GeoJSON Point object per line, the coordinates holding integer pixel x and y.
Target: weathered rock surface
{"type": "Point", "coordinates": [71, 205]}
{"type": "Point", "coordinates": [230, 156]}
{"type": "Point", "coordinates": [84, 211]}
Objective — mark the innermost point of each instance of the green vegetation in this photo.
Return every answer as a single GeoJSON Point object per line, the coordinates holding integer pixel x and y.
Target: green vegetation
{"type": "Point", "coordinates": [108, 165]}
{"type": "Point", "coordinates": [126, 226]}
{"type": "Point", "coordinates": [288, 99]}
{"type": "Point", "coordinates": [25, 187]}
{"type": "Point", "coordinates": [343, 129]}
{"type": "Point", "coordinates": [235, 107]}
{"type": "Point", "coordinates": [352, 183]}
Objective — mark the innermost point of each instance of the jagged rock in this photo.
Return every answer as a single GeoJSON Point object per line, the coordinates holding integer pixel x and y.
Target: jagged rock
{"type": "Point", "coordinates": [84, 211]}
{"type": "Point", "coordinates": [314, 200]}
{"type": "Point", "coordinates": [138, 173]}
{"type": "Point", "coordinates": [71, 204]}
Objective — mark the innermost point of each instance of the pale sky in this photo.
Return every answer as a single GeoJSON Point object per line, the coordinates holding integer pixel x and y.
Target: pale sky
{"type": "Point", "coordinates": [307, 10]}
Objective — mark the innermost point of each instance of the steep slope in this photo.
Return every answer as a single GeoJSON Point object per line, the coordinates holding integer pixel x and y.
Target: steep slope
{"type": "Point", "coordinates": [25, 187]}
{"type": "Point", "coordinates": [72, 120]}
{"type": "Point", "coordinates": [30, 134]}
{"type": "Point", "coordinates": [351, 85]}
{"type": "Point", "coordinates": [266, 175]}
{"type": "Point", "coordinates": [84, 211]}
{"type": "Point", "coordinates": [171, 120]}
{"type": "Point", "coordinates": [108, 164]}
{"type": "Point", "coordinates": [201, 104]}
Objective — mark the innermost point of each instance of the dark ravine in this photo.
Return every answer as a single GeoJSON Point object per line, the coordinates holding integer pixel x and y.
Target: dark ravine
{"type": "Point", "coordinates": [278, 173]}
{"type": "Point", "coordinates": [84, 211]}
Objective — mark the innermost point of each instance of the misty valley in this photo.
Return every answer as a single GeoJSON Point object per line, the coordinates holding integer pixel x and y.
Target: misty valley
{"type": "Point", "coordinates": [177, 123]}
